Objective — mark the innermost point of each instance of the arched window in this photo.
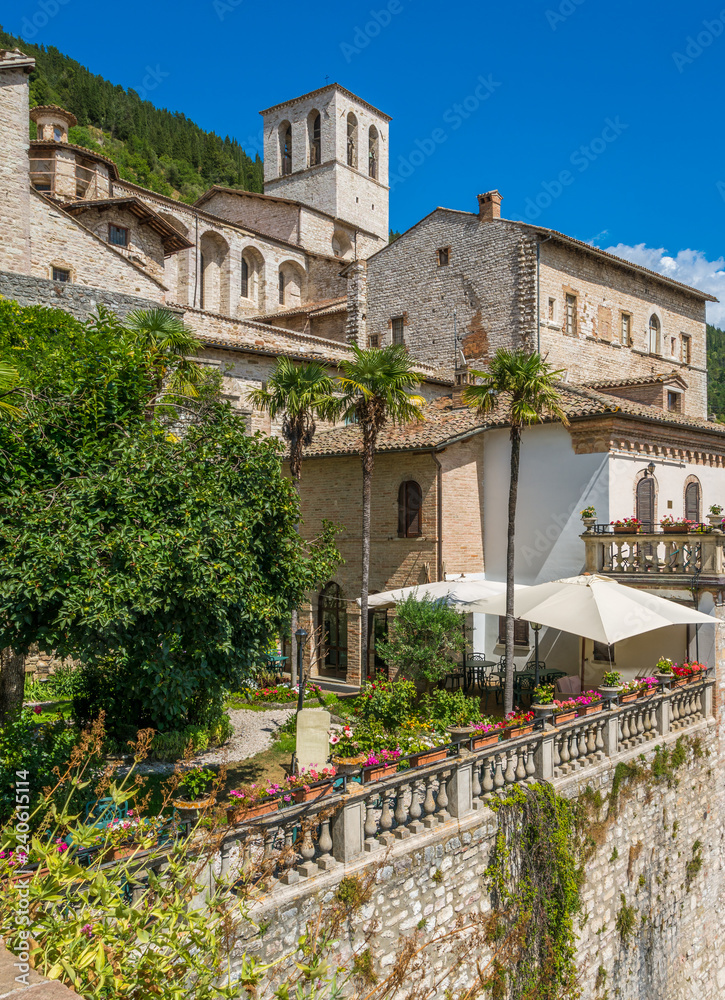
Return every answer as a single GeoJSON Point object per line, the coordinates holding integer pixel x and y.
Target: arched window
{"type": "Point", "coordinates": [286, 148]}
{"type": "Point", "coordinates": [281, 288]}
{"type": "Point", "coordinates": [655, 330]}
{"type": "Point", "coordinates": [692, 502]}
{"type": "Point", "coordinates": [315, 138]}
{"type": "Point", "coordinates": [351, 140]}
{"type": "Point", "coordinates": [245, 279]}
{"type": "Point", "coordinates": [410, 502]}
{"type": "Point", "coordinates": [646, 503]}
{"type": "Point", "coordinates": [373, 153]}
{"type": "Point", "coordinates": [332, 618]}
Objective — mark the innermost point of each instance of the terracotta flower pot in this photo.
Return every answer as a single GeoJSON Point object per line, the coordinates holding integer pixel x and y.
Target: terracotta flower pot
{"type": "Point", "coordinates": [583, 710]}
{"type": "Point", "coordinates": [431, 756]}
{"type": "Point", "coordinates": [313, 792]}
{"type": "Point", "coordinates": [240, 814]}
{"type": "Point", "coordinates": [563, 717]}
{"type": "Point", "coordinates": [624, 699]}
{"type": "Point", "coordinates": [379, 772]}
{"type": "Point", "coordinates": [485, 740]}
{"type": "Point", "coordinates": [513, 732]}
{"type": "Point", "coordinates": [675, 529]}
{"type": "Point", "coordinates": [626, 529]}
{"type": "Point", "coordinates": [122, 851]}
{"type": "Point", "coordinates": [679, 682]}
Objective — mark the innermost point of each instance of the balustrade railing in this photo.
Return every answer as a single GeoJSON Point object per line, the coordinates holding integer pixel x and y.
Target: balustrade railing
{"type": "Point", "coordinates": [360, 819]}
{"type": "Point", "coordinates": [683, 554]}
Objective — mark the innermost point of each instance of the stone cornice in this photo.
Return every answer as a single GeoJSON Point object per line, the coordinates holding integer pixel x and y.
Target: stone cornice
{"type": "Point", "coordinates": [621, 433]}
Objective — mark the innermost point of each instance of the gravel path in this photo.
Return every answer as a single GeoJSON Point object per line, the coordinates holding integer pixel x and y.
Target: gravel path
{"type": "Point", "coordinates": [253, 732]}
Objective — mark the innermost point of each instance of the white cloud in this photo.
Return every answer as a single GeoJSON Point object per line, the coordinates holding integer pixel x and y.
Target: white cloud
{"type": "Point", "coordinates": [691, 267]}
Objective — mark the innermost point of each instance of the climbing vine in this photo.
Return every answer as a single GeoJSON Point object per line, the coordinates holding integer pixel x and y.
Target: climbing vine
{"type": "Point", "coordinates": [534, 876]}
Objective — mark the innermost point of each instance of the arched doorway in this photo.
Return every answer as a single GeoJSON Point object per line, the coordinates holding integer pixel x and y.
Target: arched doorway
{"type": "Point", "coordinates": [646, 503]}
{"type": "Point", "coordinates": [693, 502]}
{"type": "Point", "coordinates": [332, 618]}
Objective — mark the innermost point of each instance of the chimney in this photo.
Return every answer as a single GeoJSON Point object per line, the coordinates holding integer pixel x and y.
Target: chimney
{"type": "Point", "coordinates": [489, 206]}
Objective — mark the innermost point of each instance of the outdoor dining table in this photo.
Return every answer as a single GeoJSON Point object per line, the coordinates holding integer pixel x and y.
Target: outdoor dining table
{"type": "Point", "coordinates": [276, 664]}
{"type": "Point", "coordinates": [546, 676]}
{"type": "Point", "coordinates": [474, 672]}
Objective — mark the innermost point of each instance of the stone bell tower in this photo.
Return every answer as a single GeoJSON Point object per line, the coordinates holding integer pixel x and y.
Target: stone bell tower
{"type": "Point", "coordinates": [329, 150]}
{"type": "Point", "coordinates": [15, 68]}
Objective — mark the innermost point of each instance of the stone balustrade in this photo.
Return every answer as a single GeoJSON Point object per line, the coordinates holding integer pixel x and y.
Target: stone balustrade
{"type": "Point", "coordinates": [674, 555]}
{"type": "Point", "coordinates": [299, 842]}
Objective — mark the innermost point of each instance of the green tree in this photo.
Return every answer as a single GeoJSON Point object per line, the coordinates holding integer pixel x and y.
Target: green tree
{"type": "Point", "coordinates": [376, 387]}
{"type": "Point", "coordinates": [522, 387]}
{"type": "Point", "coordinates": [301, 393]}
{"type": "Point", "coordinates": [170, 346]}
{"type": "Point", "coordinates": [165, 563]}
{"type": "Point", "coordinates": [426, 639]}
{"type": "Point", "coordinates": [12, 665]}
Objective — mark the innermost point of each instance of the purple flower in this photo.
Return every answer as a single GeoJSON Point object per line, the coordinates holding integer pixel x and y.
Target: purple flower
{"type": "Point", "coordinates": [87, 929]}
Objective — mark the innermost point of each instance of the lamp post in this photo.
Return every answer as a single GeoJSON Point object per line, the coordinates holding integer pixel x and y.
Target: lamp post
{"type": "Point", "coordinates": [537, 629]}
{"type": "Point", "coordinates": [301, 637]}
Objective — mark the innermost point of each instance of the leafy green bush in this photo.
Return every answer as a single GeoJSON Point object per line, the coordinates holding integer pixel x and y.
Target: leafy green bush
{"type": "Point", "coordinates": [26, 746]}
{"type": "Point", "coordinates": [388, 702]}
{"type": "Point", "coordinates": [172, 746]}
{"type": "Point", "coordinates": [425, 641]}
{"type": "Point", "coordinates": [451, 708]}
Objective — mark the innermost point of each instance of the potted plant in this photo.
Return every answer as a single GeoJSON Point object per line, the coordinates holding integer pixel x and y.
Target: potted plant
{"type": "Point", "coordinates": [675, 525]}
{"type": "Point", "coordinates": [348, 755]}
{"type": "Point", "coordinates": [682, 675]}
{"type": "Point", "coordinates": [486, 734]}
{"type": "Point", "coordinates": [588, 703]}
{"type": "Point", "coordinates": [589, 517]}
{"type": "Point", "coordinates": [422, 745]}
{"type": "Point", "coordinates": [611, 683]}
{"type": "Point", "coordinates": [696, 670]}
{"type": "Point", "coordinates": [629, 692]}
{"type": "Point", "coordinates": [311, 783]}
{"type": "Point", "coordinates": [714, 515]}
{"type": "Point", "coordinates": [253, 801]}
{"type": "Point", "coordinates": [565, 711]}
{"type": "Point", "coordinates": [196, 793]}
{"type": "Point", "coordinates": [518, 724]}
{"type": "Point", "coordinates": [664, 669]}
{"type": "Point", "coordinates": [127, 835]}
{"type": "Point", "coordinates": [626, 526]}
{"type": "Point", "coordinates": [543, 700]}
{"type": "Point", "coordinates": [380, 765]}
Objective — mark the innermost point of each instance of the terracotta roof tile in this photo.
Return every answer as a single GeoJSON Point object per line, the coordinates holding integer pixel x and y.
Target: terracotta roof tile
{"type": "Point", "coordinates": [616, 383]}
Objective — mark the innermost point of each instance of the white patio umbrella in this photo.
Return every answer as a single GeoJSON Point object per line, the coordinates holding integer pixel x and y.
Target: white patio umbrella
{"type": "Point", "coordinates": [458, 593]}
{"type": "Point", "coordinates": [594, 607]}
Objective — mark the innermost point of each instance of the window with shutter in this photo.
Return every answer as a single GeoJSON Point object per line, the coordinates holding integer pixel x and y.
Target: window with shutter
{"type": "Point", "coordinates": [410, 502]}
{"type": "Point", "coordinates": [646, 503]}
{"type": "Point", "coordinates": [692, 502]}
{"type": "Point", "coordinates": [521, 632]}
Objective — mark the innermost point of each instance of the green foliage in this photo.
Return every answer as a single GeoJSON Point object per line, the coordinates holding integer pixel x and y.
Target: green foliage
{"type": "Point", "coordinates": [626, 921]}
{"type": "Point", "coordinates": [450, 708]}
{"type": "Point", "coordinates": [37, 749]}
{"type": "Point", "coordinates": [172, 746]}
{"type": "Point", "coordinates": [612, 678]}
{"type": "Point", "coordinates": [362, 966]}
{"type": "Point", "coordinates": [544, 694]}
{"type": "Point", "coordinates": [716, 371]}
{"type": "Point", "coordinates": [426, 638]}
{"type": "Point", "coordinates": [197, 782]}
{"type": "Point", "coordinates": [667, 760]}
{"type": "Point", "coordinates": [166, 564]}
{"type": "Point", "coordinates": [352, 892]}
{"type": "Point", "coordinates": [535, 875]}
{"type": "Point", "coordinates": [389, 703]}
{"type": "Point", "coordinates": [694, 865]}
{"type": "Point", "coordinates": [159, 149]}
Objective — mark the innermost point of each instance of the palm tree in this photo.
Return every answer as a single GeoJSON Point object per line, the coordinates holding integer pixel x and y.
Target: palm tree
{"type": "Point", "coordinates": [8, 385]}
{"type": "Point", "coordinates": [301, 393]}
{"type": "Point", "coordinates": [171, 346]}
{"type": "Point", "coordinates": [524, 387]}
{"type": "Point", "coordinates": [375, 389]}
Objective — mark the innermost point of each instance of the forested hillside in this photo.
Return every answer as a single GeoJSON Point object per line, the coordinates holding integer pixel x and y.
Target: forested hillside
{"type": "Point", "coordinates": [161, 150]}
{"type": "Point", "coordinates": [716, 371]}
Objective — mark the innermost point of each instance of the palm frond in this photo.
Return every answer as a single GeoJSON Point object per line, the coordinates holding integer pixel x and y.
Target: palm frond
{"type": "Point", "coordinates": [525, 383]}
{"type": "Point", "coordinates": [163, 331]}
{"type": "Point", "coordinates": [9, 380]}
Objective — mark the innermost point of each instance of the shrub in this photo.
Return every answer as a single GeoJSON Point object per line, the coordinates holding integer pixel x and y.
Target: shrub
{"type": "Point", "coordinates": [426, 639]}
{"type": "Point", "coordinates": [451, 708]}
{"type": "Point", "coordinates": [388, 702]}
{"type": "Point", "coordinates": [173, 745]}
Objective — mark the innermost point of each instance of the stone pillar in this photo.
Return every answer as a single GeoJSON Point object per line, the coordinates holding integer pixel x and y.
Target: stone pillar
{"type": "Point", "coordinates": [610, 735]}
{"type": "Point", "coordinates": [663, 715]}
{"type": "Point", "coordinates": [348, 833]}
{"type": "Point", "coordinates": [15, 68]}
{"type": "Point", "coordinates": [544, 756]}
{"type": "Point", "coordinates": [460, 789]}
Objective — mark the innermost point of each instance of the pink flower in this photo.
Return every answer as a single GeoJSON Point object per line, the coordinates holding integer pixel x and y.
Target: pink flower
{"type": "Point", "coordinates": [87, 929]}
{"type": "Point", "coordinates": [38, 710]}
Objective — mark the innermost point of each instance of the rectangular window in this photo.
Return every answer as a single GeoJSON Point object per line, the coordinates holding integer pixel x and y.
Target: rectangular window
{"type": "Point", "coordinates": [603, 653]}
{"type": "Point", "coordinates": [552, 309]}
{"type": "Point", "coordinates": [117, 235]}
{"type": "Point", "coordinates": [60, 274]}
{"type": "Point", "coordinates": [674, 401]}
{"type": "Point", "coordinates": [686, 349]}
{"type": "Point", "coordinates": [444, 256]}
{"type": "Point", "coordinates": [398, 330]}
{"type": "Point", "coordinates": [521, 632]}
{"type": "Point", "coordinates": [626, 330]}
{"type": "Point", "coordinates": [245, 279]}
{"type": "Point", "coordinates": [374, 340]}
{"type": "Point", "coordinates": [571, 315]}
{"type": "Point", "coordinates": [281, 288]}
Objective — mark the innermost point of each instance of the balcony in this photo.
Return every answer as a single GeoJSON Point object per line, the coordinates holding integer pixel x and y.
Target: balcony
{"type": "Point", "coordinates": [678, 559]}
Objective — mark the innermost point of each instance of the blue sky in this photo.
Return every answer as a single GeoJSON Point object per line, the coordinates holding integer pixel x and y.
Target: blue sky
{"type": "Point", "coordinates": [602, 120]}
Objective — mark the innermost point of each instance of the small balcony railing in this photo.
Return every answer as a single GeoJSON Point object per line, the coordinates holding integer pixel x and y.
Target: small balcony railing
{"type": "Point", "coordinates": [683, 555]}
